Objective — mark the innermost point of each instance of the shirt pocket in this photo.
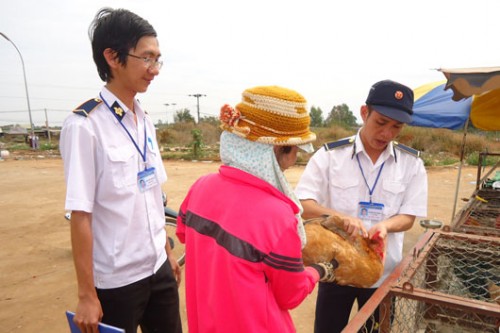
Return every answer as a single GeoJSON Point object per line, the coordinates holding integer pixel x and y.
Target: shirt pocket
{"type": "Point", "coordinates": [123, 167]}
{"type": "Point", "coordinates": [155, 160]}
{"type": "Point", "coordinates": [344, 192]}
{"type": "Point", "coordinates": [392, 194]}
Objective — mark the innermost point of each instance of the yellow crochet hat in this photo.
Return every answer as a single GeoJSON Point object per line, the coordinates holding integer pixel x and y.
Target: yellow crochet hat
{"type": "Point", "coordinates": [272, 115]}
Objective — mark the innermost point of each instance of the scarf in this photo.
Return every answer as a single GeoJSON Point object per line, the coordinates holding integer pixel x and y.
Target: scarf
{"type": "Point", "coordinates": [259, 160]}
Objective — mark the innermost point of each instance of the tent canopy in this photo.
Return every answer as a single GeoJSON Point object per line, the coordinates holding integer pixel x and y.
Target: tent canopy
{"type": "Point", "coordinates": [483, 108]}
{"type": "Point", "coordinates": [465, 82]}
{"type": "Point", "coordinates": [434, 107]}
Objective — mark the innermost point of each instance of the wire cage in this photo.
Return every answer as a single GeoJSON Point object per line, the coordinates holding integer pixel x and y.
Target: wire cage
{"type": "Point", "coordinates": [449, 284]}
{"type": "Point", "coordinates": [481, 215]}
{"type": "Point", "coordinates": [451, 280]}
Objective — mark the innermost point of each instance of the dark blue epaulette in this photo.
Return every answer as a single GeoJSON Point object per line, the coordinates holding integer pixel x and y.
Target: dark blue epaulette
{"type": "Point", "coordinates": [339, 143]}
{"type": "Point", "coordinates": [87, 107]}
{"type": "Point", "coordinates": [406, 149]}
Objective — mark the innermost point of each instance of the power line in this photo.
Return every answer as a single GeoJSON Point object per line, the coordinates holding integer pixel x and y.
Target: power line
{"type": "Point", "coordinates": [36, 110]}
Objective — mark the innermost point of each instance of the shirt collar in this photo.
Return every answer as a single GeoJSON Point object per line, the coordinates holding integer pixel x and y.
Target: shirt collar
{"type": "Point", "coordinates": [111, 99]}
{"type": "Point", "coordinates": [358, 147]}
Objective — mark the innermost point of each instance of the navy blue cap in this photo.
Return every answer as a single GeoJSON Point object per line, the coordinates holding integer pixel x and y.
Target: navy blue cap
{"type": "Point", "coordinates": [392, 99]}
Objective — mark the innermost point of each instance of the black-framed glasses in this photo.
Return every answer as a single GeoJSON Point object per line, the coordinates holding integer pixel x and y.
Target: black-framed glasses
{"type": "Point", "coordinates": [150, 62]}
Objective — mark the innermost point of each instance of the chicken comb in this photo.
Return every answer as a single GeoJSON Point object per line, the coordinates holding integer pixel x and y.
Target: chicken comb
{"type": "Point", "coordinates": [379, 243]}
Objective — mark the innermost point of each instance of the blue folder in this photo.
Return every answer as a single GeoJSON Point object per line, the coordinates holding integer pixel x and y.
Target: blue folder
{"type": "Point", "coordinates": [103, 328]}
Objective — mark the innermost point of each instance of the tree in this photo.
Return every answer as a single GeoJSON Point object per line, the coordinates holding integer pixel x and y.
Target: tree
{"type": "Point", "coordinates": [197, 142]}
{"type": "Point", "coordinates": [183, 116]}
{"type": "Point", "coordinates": [342, 116]}
{"type": "Point", "coordinates": [316, 117]}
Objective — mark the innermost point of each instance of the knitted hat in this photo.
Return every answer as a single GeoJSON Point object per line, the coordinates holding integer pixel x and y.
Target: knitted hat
{"type": "Point", "coordinates": [271, 115]}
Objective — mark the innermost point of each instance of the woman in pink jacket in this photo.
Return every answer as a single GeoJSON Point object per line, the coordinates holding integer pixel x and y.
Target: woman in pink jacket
{"type": "Point", "coordinates": [242, 226]}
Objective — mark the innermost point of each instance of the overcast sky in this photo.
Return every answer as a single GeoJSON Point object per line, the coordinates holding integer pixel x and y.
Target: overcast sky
{"type": "Point", "coordinates": [329, 51]}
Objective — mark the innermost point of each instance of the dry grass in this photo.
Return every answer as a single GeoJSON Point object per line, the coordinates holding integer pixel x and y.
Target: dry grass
{"type": "Point", "coordinates": [438, 146]}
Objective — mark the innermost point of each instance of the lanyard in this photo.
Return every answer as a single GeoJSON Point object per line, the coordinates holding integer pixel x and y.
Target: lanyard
{"type": "Point", "coordinates": [370, 191]}
{"type": "Point", "coordinates": [143, 155]}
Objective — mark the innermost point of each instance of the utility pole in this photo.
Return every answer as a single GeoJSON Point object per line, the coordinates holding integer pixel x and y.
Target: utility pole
{"type": "Point", "coordinates": [33, 145]}
{"type": "Point", "coordinates": [47, 125]}
{"type": "Point", "coordinates": [198, 103]}
{"type": "Point", "coordinates": [167, 105]}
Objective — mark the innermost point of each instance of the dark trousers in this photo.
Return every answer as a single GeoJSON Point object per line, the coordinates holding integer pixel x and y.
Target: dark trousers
{"type": "Point", "coordinates": [151, 303]}
{"type": "Point", "coordinates": [334, 304]}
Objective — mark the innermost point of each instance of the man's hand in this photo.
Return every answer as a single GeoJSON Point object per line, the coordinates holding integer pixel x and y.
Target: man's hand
{"type": "Point", "coordinates": [354, 226]}
{"type": "Point", "coordinates": [381, 228]}
{"type": "Point", "coordinates": [88, 314]}
{"type": "Point", "coordinates": [176, 268]}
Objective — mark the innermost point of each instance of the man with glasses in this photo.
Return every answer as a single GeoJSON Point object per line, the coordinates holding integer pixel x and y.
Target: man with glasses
{"type": "Point", "coordinates": [126, 274]}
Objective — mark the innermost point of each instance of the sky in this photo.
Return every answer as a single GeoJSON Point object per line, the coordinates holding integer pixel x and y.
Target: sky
{"type": "Point", "coordinates": [329, 51]}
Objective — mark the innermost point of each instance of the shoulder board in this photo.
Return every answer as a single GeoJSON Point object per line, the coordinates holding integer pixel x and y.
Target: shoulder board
{"type": "Point", "coordinates": [406, 149]}
{"type": "Point", "coordinates": [85, 108]}
{"type": "Point", "coordinates": [339, 143]}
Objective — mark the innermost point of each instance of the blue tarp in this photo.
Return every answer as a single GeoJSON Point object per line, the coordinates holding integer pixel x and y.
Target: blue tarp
{"type": "Point", "coordinates": [434, 107]}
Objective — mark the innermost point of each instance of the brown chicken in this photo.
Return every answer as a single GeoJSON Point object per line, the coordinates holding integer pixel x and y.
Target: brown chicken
{"type": "Point", "coordinates": [360, 260]}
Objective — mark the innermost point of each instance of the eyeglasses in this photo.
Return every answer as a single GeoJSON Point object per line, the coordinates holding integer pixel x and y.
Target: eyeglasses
{"type": "Point", "coordinates": [149, 62]}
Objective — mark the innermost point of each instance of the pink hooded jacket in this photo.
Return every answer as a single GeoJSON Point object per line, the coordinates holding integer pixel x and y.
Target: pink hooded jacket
{"type": "Point", "coordinates": [244, 267]}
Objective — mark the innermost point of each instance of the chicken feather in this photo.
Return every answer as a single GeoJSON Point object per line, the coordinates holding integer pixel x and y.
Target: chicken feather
{"type": "Point", "coordinates": [360, 260]}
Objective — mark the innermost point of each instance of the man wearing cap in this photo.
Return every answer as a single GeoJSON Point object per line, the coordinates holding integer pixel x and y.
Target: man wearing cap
{"type": "Point", "coordinates": [371, 173]}
{"type": "Point", "coordinates": [242, 226]}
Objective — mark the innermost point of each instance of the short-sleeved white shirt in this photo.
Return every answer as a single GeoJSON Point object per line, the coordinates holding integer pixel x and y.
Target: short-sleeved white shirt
{"type": "Point", "coordinates": [333, 179]}
{"type": "Point", "coordinates": [101, 166]}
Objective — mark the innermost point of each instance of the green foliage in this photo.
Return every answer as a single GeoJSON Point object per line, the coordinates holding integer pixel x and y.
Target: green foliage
{"type": "Point", "coordinates": [49, 146]}
{"type": "Point", "coordinates": [197, 143]}
{"type": "Point", "coordinates": [341, 115]}
{"type": "Point", "coordinates": [448, 161]}
{"type": "Point", "coordinates": [18, 146]}
{"type": "Point", "coordinates": [316, 115]}
{"type": "Point", "coordinates": [439, 159]}
{"type": "Point", "coordinates": [44, 144]}
{"type": "Point", "coordinates": [473, 159]}
{"type": "Point", "coordinates": [183, 116]}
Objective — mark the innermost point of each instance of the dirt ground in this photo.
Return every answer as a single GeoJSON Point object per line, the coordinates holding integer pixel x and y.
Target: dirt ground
{"type": "Point", "coordinates": [37, 280]}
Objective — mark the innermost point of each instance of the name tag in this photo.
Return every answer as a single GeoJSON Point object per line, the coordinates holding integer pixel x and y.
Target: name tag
{"type": "Point", "coordinates": [370, 211]}
{"type": "Point", "coordinates": [147, 179]}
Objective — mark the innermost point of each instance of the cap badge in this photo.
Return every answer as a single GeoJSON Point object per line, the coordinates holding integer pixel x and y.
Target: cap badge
{"type": "Point", "coordinates": [398, 94]}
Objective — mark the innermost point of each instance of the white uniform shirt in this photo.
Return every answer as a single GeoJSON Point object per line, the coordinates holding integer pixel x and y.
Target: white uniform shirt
{"type": "Point", "coordinates": [333, 179]}
{"type": "Point", "coordinates": [101, 165]}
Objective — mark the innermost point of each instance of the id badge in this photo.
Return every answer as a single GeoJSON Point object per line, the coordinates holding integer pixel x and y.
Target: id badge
{"type": "Point", "coordinates": [372, 211]}
{"type": "Point", "coordinates": [147, 179]}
